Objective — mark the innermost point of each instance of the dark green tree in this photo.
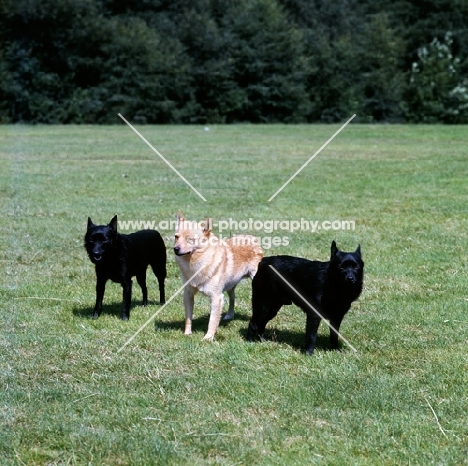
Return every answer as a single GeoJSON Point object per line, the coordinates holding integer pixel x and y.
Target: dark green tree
{"type": "Point", "coordinates": [70, 63]}
{"type": "Point", "coordinates": [197, 61]}
{"type": "Point", "coordinates": [381, 81]}
{"type": "Point", "coordinates": [267, 53]}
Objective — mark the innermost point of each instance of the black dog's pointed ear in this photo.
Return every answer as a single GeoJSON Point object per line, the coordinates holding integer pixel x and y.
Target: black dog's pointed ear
{"type": "Point", "coordinates": [358, 250]}
{"type": "Point", "coordinates": [113, 223]}
{"type": "Point", "coordinates": [334, 249]}
{"type": "Point", "coordinates": [90, 223]}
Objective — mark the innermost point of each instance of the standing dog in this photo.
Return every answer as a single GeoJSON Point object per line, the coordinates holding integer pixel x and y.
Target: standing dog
{"type": "Point", "coordinates": [212, 265]}
{"type": "Point", "coordinates": [120, 257]}
{"type": "Point", "coordinates": [330, 287]}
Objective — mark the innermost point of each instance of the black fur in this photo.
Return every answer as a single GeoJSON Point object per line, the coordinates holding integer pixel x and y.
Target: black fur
{"type": "Point", "coordinates": [330, 287]}
{"type": "Point", "coordinates": [120, 257]}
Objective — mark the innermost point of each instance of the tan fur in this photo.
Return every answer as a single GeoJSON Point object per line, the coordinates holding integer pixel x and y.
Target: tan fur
{"type": "Point", "coordinates": [224, 264]}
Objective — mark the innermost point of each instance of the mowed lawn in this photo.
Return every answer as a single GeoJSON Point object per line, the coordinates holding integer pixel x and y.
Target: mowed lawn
{"type": "Point", "coordinates": [68, 396]}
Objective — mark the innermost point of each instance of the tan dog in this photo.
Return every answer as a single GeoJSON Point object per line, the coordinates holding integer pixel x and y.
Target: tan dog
{"type": "Point", "coordinates": [219, 265]}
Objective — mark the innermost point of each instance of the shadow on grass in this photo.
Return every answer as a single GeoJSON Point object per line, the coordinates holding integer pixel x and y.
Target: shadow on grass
{"type": "Point", "coordinates": [294, 339]}
{"type": "Point", "coordinates": [113, 309]}
{"type": "Point", "coordinates": [199, 324]}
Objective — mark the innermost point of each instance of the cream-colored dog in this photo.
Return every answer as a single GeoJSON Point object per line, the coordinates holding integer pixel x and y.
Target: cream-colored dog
{"type": "Point", "coordinates": [212, 265]}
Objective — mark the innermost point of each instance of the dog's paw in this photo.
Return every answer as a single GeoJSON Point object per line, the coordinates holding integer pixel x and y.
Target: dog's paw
{"type": "Point", "coordinates": [228, 316]}
{"type": "Point", "coordinates": [208, 337]}
{"type": "Point", "coordinates": [187, 333]}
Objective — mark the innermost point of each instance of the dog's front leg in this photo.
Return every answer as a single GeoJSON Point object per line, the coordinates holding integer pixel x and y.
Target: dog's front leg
{"type": "Point", "coordinates": [312, 325]}
{"type": "Point", "coordinates": [335, 323]}
{"type": "Point", "coordinates": [189, 296]}
{"type": "Point", "coordinates": [100, 288]}
{"type": "Point", "coordinates": [127, 299]}
{"type": "Point", "coordinates": [215, 315]}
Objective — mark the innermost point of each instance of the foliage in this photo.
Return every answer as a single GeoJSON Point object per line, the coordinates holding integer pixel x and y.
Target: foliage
{"type": "Point", "coordinates": [222, 61]}
{"type": "Point", "coordinates": [437, 90]}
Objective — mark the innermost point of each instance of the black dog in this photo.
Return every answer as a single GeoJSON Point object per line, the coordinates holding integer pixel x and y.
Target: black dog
{"type": "Point", "coordinates": [330, 287]}
{"type": "Point", "coordinates": [119, 257]}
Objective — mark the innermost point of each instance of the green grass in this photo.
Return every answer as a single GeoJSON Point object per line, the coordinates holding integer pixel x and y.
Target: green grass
{"type": "Point", "coordinates": [68, 397]}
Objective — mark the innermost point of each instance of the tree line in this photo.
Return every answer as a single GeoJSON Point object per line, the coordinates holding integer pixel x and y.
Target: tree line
{"type": "Point", "coordinates": [228, 61]}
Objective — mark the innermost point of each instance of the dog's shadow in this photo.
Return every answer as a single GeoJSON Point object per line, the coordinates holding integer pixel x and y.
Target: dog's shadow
{"type": "Point", "coordinates": [199, 324]}
{"type": "Point", "coordinates": [112, 309]}
{"type": "Point", "coordinates": [295, 340]}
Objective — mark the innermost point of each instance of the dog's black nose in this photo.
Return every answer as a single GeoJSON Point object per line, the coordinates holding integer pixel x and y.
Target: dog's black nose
{"type": "Point", "coordinates": [350, 279]}
{"type": "Point", "coordinates": [178, 251]}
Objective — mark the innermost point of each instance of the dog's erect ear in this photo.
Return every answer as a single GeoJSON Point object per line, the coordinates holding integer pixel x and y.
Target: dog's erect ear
{"type": "Point", "coordinates": [358, 250]}
{"type": "Point", "coordinates": [207, 226]}
{"type": "Point", "coordinates": [90, 223]}
{"type": "Point", "coordinates": [334, 249]}
{"type": "Point", "coordinates": [113, 223]}
{"type": "Point", "coordinates": [180, 219]}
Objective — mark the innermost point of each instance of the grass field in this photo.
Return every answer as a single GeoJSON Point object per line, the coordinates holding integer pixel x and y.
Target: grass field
{"type": "Point", "coordinates": [68, 397]}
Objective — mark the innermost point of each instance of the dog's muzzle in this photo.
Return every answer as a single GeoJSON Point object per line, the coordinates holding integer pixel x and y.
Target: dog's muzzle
{"type": "Point", "coordinates": [96, 257]}
{"type": "Point", "coordinates": [178, 253]}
